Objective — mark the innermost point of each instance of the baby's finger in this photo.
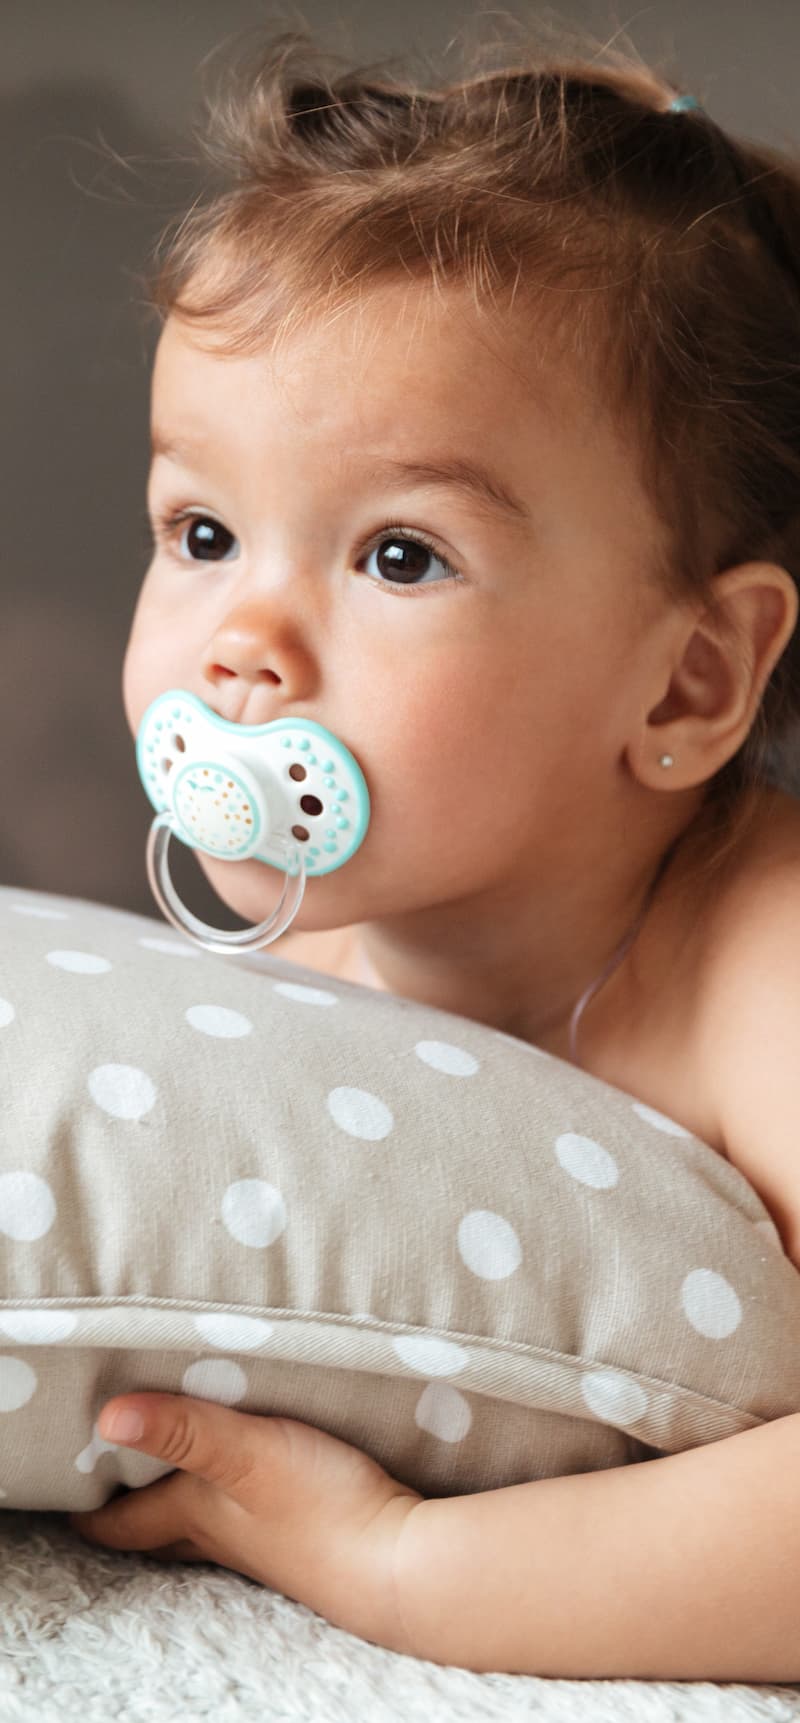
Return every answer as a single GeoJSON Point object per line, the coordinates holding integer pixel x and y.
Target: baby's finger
{"type": "Point", "coordinates": [146, 1519]}
{"type": "Point", "coordinates": [224, 1448]}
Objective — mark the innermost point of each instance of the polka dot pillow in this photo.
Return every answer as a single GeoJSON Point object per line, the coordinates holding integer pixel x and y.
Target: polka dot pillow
{"type": "Point", "coordinates": [238, 1179]}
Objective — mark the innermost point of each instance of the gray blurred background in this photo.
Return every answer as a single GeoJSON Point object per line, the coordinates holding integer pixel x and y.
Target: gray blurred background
{"type": "Point", "coordinates": [98, 98]}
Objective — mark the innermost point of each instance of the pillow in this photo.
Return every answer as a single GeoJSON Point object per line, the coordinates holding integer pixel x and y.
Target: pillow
{"type": "Point", "coordinates": [239, 1179]}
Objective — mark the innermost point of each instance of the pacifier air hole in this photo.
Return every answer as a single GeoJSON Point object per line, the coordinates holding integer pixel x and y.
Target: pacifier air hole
{"type": "Point", "coordinates": [178, 743]}
{"type": "Point", "coordinates": [309, 805]}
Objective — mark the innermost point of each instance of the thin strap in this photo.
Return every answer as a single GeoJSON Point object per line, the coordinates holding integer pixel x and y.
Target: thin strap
{"type": "Point", "coordinates": [614, 962]}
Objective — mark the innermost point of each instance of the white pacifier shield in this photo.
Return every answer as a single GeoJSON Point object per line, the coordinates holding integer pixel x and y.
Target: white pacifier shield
{"type": "Point", "coordinates": [218, 808]}
{"type": "Point", "coordinates": [285, 792]}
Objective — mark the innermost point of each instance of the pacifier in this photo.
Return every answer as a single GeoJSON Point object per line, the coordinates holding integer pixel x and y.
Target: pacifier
{"type": "Point", "coordinates": [287, 793]}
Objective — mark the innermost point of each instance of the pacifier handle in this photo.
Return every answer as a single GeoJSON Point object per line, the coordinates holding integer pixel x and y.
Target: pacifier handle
{"type": "Point", "coordinates": [211, 938]}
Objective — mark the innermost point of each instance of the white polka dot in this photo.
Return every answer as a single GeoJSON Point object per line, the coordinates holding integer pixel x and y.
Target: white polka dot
{"type": "Point", "coordinates": [38, 1327]}
{"type": "Point", "coordinates": [215, 1379]}
{"type": "Point", "coordinates": [587, 1161]}
{"type": "Point", "coordinates": [44, 914]}
{"type": "Point", "coordinates": [79, 962]}
{"type": "Point", "coordinates": [769, 1231]}
{"type": "Point", "coordinates": [254, 1212]}
{"type": "Point", "coordinates": [360, 1114]}
{"type": "Point", "coordinates": [232, 1332]}
{"type": "Point", "coordinates": [18, 1383]}
{"type": "Point", "coordinates": [442, 1056]}
{"type": "Point", "coordinates": [613, 1397]}
{"type": "Point", "coordinates": [430, 1355]}
{"type": "Point", "coordinates": [306, 995]}
{"type": "Point", "coordinates": [171, 947]}
{"type": "Point", "coordinates": [27, 1206]}
{"type": "Point", "coordinates": [88, 1457]}
{"type": "Point", "coordinates": [7, 1013]}
{"type": "Point", "coordinates": [219, 1021]}
{"type": "Point", "coordinates": [488, 1245]}
{"type": "Point", "coordinates": [710, 1304]}
{"type": "Point", "coordinates": [659, 1121]}
{"type": "Point", "coordinates": [443, 1412]}
{"type": "Point", "coordinates": [122, 1090]}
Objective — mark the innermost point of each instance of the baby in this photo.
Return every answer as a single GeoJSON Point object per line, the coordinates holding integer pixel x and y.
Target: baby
{"type": "Point", "coordinates": [475, 419]}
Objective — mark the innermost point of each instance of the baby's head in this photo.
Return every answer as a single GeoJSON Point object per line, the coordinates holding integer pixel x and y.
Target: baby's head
{"type": "Point", "coordinates": [475, 432]}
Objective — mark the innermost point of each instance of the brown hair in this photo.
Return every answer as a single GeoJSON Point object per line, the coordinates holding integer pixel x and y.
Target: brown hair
{"type": "Point", "coordinates": [664, 252]}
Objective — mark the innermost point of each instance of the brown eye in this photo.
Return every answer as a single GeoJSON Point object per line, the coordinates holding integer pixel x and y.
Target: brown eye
{"type": "Point", "coordinates": [206, 540]}
{"type": "Point", "coordinates": [403, 560]}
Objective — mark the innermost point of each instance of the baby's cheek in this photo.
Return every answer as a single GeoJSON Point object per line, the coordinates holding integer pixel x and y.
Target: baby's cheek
{"type": "Point", "coordinates": [148, 669]}
{"type": "Point", "coordinates": [132, 702]}
{"type": "Point", "coordinates": [162, 645]}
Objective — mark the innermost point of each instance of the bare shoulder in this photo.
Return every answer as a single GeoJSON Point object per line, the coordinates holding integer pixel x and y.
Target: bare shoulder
{"type": "Point", "coordinates": [750, 1021]}
{"type": "Point", "coordinates": [684, 1029]}
{"type": "Point", "coordinates": [755, 919]}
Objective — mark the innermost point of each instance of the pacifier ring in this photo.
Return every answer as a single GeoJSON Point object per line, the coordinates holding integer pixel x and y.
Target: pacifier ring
{"type": "Point", "coordinates": [218, 940]}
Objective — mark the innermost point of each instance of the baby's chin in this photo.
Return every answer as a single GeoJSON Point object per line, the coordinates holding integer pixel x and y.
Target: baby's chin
{"type": "Point", "coordinates": [252, 890]}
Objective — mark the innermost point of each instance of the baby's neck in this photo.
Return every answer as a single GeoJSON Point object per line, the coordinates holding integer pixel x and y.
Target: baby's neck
{"type": "Point", "coordinates": [524, 973]}
{"type": "Point", "coordinates": [503, 989]}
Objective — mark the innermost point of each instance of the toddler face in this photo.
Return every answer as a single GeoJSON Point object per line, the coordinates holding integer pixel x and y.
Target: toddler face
{"type": "Point", "coordinates": [466, 644]}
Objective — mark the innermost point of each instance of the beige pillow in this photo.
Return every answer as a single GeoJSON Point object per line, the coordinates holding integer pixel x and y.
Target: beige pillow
{"type": "Point", "coordinates": [241, 1180]}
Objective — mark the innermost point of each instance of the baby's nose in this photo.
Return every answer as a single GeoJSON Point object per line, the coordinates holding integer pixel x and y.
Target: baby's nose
{"type": "Point", "coordinates": [258, 647]}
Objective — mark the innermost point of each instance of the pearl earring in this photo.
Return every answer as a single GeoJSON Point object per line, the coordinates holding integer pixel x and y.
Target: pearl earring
{"type": "Point", "coordinates": [666, 760]}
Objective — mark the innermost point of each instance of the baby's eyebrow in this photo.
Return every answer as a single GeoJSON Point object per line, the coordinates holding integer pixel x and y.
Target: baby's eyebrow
{"type": "Point", "coordinates": [172, 448]}
{"type": "Point", "coordinates": [457, 473]}
{"type": "Point", "coordinates": [454, 472]}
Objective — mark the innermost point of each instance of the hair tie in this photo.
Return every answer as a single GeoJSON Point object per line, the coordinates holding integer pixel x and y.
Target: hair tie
{"type": "Point", "coordinates": [682, 105]}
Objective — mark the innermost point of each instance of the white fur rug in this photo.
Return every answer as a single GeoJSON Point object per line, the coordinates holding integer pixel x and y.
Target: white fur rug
{"type": "Point", "coordinates": [94, 1636]}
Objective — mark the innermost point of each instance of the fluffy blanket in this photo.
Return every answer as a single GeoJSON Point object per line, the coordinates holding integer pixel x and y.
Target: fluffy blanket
{"type": "Point", "coordinates": [91, 1635]}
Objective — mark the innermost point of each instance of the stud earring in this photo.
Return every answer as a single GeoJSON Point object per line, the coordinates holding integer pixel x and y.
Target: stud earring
{"type": "Point", "coordinates": [666, 760]}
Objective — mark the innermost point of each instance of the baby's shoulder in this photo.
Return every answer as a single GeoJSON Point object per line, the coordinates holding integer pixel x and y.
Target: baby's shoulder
{"type": "Point", "coordinates": [686, 1028]}
{"type": "Point", "coordinates": [750, 1019]}
{"type": "Point", "coordinates": [754, 921]}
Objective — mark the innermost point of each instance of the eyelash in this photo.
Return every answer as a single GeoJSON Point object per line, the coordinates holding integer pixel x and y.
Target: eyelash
{"type": "Point", "coordinates": [166, 523]}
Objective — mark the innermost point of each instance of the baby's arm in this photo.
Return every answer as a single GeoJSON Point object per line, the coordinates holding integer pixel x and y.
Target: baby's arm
{"type": "Point", "coordinates": [681, 1568]}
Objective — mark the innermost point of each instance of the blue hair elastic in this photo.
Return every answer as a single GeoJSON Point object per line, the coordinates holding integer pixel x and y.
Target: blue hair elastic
{"type": "Point", "coordinates": [683, 104]}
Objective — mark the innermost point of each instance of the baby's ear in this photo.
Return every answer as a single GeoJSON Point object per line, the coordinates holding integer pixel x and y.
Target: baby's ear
{"type": "Point", "coordinates": [723, 659]}
{"type": "Point", "coordinates": [758, 603]}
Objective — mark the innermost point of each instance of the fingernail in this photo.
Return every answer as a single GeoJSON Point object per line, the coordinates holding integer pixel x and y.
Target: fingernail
{"type": "Point", "coordinates": [124, 1427]}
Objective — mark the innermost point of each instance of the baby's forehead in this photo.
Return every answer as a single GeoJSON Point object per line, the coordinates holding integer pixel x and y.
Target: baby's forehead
{"type": "Point", "coordinates": [399, 349]}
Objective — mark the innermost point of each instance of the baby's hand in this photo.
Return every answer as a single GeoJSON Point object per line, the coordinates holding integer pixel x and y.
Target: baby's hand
{"type": "Point", "coordinates": [277, 1500]}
